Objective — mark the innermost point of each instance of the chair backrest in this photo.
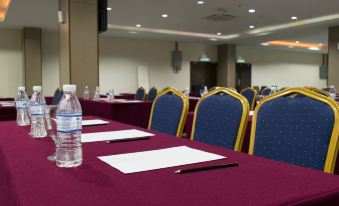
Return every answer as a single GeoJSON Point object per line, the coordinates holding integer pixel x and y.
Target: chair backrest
{"type": "Point", "coordinates": [61, 94]}
{"type": "Point", "coordinates": [220, 119]}
{"type": "Point", "coordinates": [267, 91]}
{"type": "Point", "coordinates": [140, 94]}
{"type": "Point", "coordinates": [55, 97]}
{"type": "Point", "coordinates": [327, 89]}
{"type": "Point", "coordinates": [152, 94]}
{"type": "Point", "coordinates": [326, 94]}
{"type": "Point", "coordinates": [169, 111]}
{"type": "Point", "coordinates": [297, 126]}
{"type": "Point", "coordinates": [251, 96]}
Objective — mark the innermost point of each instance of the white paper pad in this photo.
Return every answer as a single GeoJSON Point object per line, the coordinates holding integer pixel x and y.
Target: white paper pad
{"type": "Point", "coordinates": [113, 135]}
{"type": "Point", "coordinates": [158, 159]}
{"type": "Point", "coordinates": [93, 122]}
{"type": "Point", "coordinates": [130, 101]}
{"type": "Point", "coordinates": [251, 113]}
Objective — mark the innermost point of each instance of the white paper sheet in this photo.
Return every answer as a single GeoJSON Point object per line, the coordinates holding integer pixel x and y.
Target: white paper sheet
{"type": "Point", "coordinates": [113, 135]}
{"type": "Point", "coordinates": [93, 122]}
{"type": "Point", "coordinates": [158, 159]}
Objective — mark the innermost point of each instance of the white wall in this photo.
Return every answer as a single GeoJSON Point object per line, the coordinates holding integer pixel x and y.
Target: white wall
{"type": "Point", "coordinates": [119, 58]}
{"type": "Point", "coordinates": [50, 62]}
{"type": "Point", "coordinates": [11, 62]}
{"type": "Point", "coordinates": [283, 68]}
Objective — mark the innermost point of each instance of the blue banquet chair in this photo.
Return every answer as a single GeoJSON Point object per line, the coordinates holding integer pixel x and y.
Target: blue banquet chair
{"type": "Point", "coordinates": [220, 119]}
{"type": "Point", "coordinates": [169, 112]}
{"type": "Point", "coordinates": [267, 91]}
{"type": "Point", "coordinates": [140, 94]}
{"type": "Point", "coordinates": [152, 94]}
{"type": "Point", "coordinates": [297, 126]}
{"type": "Point", "coordinates": [251, 96]}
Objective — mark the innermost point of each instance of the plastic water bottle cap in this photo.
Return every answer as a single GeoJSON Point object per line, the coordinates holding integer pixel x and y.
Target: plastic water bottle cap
{"type": "Point", "coordinates": [69, 88]}
{"type": "Point", "coordinates": [36, 88]}
{"type": "Point", "coordinates": [21, 88]}
{"type": "Point", "coordinates": [332, 87]}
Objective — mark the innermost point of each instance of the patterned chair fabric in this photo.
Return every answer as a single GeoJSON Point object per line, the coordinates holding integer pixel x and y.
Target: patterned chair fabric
{"type": "Point", "coordinates": [221, 119]}
{"type": "Point", "coordinates": [169, 112]}
{"type": "Point", "coordinates": [140, 94]}
{"type": "Point", "coordinates": [152, 94]}
{"type": "Point", "coordinates": [251, 96]}
{"type": "Point", "coordinates": [55, 97]}
{"type": "Point", "coordinates": [61, 94]}
{"type": "Point", "coordinates": [267, 91]}
{"type": "Point", "coordinates": [295, 130]}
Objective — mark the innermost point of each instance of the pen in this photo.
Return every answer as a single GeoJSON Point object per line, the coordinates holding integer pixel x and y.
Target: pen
{"type": "Point", "coordinates": [127, 140]}
{"type": "Point", "coordinates": [210, 167]}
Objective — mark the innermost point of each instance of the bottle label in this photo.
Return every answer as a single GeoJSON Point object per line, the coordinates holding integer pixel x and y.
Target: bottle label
{"type": "Point", "coordinates": [69, 123]}
{"type": "Point", "coordinates": [20, 104]}
{"type": "Point", "coordinates": [37, 110]}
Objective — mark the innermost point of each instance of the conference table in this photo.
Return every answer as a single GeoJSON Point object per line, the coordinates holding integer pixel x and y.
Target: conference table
{"type": "Point", "coordinates": [28, 178]}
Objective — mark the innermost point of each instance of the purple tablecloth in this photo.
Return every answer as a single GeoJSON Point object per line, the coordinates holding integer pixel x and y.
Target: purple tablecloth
{"type": "Point", "coordinates": [7, 113]}
{"type": "Point", "coordinates": [134, 113]}
{"type": "Point", "coordinates": [192, 103]}
{"type": "Point", "coordinates": [27, 178]}
{"type": "Point", "coordinates": [6, 99]}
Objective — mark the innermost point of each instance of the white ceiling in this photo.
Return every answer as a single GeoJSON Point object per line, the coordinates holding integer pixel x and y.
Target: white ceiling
{"type": "Point", "coordinates": [187, 15]}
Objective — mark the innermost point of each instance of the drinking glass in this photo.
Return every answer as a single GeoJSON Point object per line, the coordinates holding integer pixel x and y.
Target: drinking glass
{"type": "Point", "coordinates": [51, 125]}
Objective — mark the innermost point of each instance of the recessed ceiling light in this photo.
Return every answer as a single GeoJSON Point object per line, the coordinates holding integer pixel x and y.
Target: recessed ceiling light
{"type": "Point", "coordinates": [219, 33]}
{"type": "Point", "coordinates": [251, 27]}
{"type": "Point", "coordinates": [214, 39]}
{"type": "Point", "coordinates": [298, 42]}
{"type": "Point", "coordinates": [251, 11]}
{"type": "Point", "coordinates": [164, 15]}
{"type": "Point", "coordinates": [314, 48]}
{"type": "Point", "coordinates": [294, 17]}
{"type": "Point", "coordinates": [200, 2]}
{"type": "Point", "coordinates": [109, 8]}
{"type": "Point", "coordinates": [138, 25]}
{"type": "Point", "coordinates": [264, 44]}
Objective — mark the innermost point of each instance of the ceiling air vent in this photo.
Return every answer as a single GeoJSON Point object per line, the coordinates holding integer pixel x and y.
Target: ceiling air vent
{"type": "Point", "coordinates": [220, 17]}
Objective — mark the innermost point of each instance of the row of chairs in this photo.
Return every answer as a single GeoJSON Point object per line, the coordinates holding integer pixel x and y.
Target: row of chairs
{"type": "Point", "coordinates": [142, 96]}
{"type": "Point", "coordinates": [297, 125]}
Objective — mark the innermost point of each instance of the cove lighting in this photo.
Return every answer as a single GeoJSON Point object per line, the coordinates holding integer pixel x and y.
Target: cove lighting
{"type": "Point", "coordinates": [138, 25]}
{"type": "Point", "coordinates": [291, 44]}
{"type": "Point", "coordinates": [173, 32]}
{"type": "Point", "coordinates": [4, 4]}
{"type": "Point", "coordinates": [314, 48]}
{"type": "Point", "coordinates": [295, 24]}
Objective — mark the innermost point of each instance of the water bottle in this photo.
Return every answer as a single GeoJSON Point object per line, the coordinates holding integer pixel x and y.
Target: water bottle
{"type": "Point", "coordinates": [86, 92]}
{"type": "Point", "coordinates": [37, 106]}
{"type": "Point", "coordinates": [111, 95]}
{"type": "Point", "coordinates": [69, 118]}
{"type": "Point", "coordinates": [205, 90]}
{"type": "Point", "coordinates": [97, 94]}
{"type": "Point", "coordinates": [187, 92]}
{"type": "Point", "coordinates": [333, 92]}
{"type": "Point", "coordinates": [21, 104]}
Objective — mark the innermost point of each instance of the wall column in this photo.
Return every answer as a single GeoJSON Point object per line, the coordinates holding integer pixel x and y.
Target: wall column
{"type": "Point", "coordinates": [79, 61]}
{"type": "Point", "coordinates": [32, 60]}
{"type": "Point", "coordinates": [226, 65]}
{"type": "Point", "coordinates": [333, 56]}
